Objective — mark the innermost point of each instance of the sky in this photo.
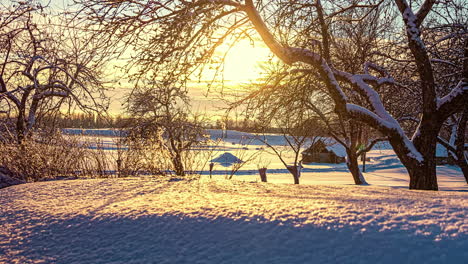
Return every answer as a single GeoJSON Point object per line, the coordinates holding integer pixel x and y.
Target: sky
{"type": "Point", "coordinates": [242, 65]}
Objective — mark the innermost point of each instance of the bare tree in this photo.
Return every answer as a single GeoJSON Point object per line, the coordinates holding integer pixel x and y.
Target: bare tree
{"type": "Point", "coordinates": [298, 130]}
{"type": "Point", "coordinates": [163, 106]}
{"type": "Point", "coordinates": [181, 36]}
{"type": "Point", "coordinates": [44, 67]}
{"type": "Point", "coordinates": [286, 96]}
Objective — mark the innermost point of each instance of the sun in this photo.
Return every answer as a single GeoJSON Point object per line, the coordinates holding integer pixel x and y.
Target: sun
{"type": "Point", "coordinates": [243, 62]}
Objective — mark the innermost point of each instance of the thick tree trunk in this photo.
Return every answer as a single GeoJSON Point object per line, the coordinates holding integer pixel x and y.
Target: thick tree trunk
{"type": "Point", "coordinates": [461, 132]}
{"type": "Point", "coordinates": [423, 177]}
{"type": "Point", "coordinates": [422, 173]}
{"type": "Point", "coordinates": [353, 166]}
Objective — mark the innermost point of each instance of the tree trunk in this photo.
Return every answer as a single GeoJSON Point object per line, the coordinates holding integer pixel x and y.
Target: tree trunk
{"type": "Point", "coordinates": [460, 135]}
{"type": "Point", "coordinates": [294, 170]}
{"type": "Point", "coordinates": [178, 165]}
{"type": "Point", "coordinates": [211, 169]}
{"type": "Point", "coordinates": [263, 175]}
{"type": "Point", "coordinates": [423, 177]}
{"type": "Point", "coordinates": [422, 173]}
{"type": "Point", "coordinates": [363, 162]}
{"type": "Point", "coordinates": [353, 166]}
{"type": "Point", "coordinates": [20, 128]}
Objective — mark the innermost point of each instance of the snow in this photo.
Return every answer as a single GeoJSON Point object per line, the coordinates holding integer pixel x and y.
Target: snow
{"type": "Point", "coordinates": [325, 219]}
{"type": "Point", "coordinates": [411, 26]}
{"type": "Point", "coordinates": [372, 96]}
{"type": "Point", "coordinates": [337, 148]}
{"type": "Point", "coordinates": [153, 220]}
{"type": "Point", "coordinates": [454, 93]}
{"type": "Point", "coordinates": [441, 151]}
{"type": "Point", "coordinates": [94, 132]}
{"type": "Point", "coordinates": [383, 169]}
{"type": "Point", "coordinates": [227, 159]}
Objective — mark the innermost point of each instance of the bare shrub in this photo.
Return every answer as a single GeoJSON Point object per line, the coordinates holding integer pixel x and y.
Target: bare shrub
{"type": "Point", "coordinates": [44, 156]}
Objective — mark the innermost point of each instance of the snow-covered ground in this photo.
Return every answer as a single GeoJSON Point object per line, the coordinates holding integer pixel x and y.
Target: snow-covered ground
{"type": "Point", "coordinates": [326, 219]}
{"type": "Point", "coordinates": [153, 220]}
{"type": "Point", "coordinates": [383, 169]}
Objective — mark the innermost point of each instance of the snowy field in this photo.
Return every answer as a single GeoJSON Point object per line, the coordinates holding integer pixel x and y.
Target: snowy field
{"type": "Point", "coordinates": [151, 220]}
{"type": "Point", "coordinates": [325, 219]}
{"type": "Point", "coordinates": [383, 169]}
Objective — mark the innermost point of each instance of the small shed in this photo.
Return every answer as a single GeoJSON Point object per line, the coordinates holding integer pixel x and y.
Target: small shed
{"type": "Point", "coordinates": [321, 152]}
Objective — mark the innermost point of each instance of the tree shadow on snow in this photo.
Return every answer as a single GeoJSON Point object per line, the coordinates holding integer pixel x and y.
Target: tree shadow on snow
{"type": "Point", "coordinates": [181, 239]}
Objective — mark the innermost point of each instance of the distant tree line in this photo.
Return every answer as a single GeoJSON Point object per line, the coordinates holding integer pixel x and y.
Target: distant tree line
{"type": "Point", "coordinates": [84, 120]}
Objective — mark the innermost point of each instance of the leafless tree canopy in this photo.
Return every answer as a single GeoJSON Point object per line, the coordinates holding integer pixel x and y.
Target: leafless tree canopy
{"type": "Point", "coordinates": [44, 66]}
{"type": "Point", "coordinates": [175, 38]}
{"type": "Point", "coordinates": [161, 107]}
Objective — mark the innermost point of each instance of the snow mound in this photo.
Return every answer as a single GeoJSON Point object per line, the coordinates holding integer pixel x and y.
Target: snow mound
{"type": "Point", "coordinates": [227, 159]}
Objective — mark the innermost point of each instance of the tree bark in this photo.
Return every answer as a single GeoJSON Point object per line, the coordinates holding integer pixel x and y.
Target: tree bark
{"type": "Point", "coordinates": [460, 138]}
{"type": "Point", "coordinates": [20, 127]}
{"type": "Point", "coordinates": [263, 175]}
{"type": "Point", "coordinates": [178, 165]}
{"type": "Point", "coordinates": [353, 166]}
{"type": "Point", "coordinates": [422, 173]}
{"type": "Point", "coordinates": [423, 177]}
{"type": "Point", "coordinates": [294, 170]}
{"type": "Point", "coordinates": [364, 162]}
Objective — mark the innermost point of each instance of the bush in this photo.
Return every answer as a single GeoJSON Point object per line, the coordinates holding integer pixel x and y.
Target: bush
{"type": "Point", "coordinates": [41, 157]}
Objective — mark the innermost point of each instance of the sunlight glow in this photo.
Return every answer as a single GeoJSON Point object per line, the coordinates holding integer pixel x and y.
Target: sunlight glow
{"type": "Point", "coordinates": [243, 62]}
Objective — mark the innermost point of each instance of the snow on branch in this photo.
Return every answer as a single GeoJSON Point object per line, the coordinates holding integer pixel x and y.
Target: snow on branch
{"type": "Point", "coordinates": [380, 118]}
{"type": "Point", "coordinates": [370, 117]}
{"type": "Point", "coordinates": [447, 104]}
{"type": "Point", "coordinates": [412, 22]}
{"type": "Point", "coordinates": [51, 94]}
{"type": "Point", "coordinates": [409, 118]}
{"type": "Point", "coordinates": [372, 66]}
{"type": "Point", "coordinates": [360, 84]}
{"type": "Point", "coordinates": [392, 129]}
{"type": "Point", "coordinates": [290, 55]}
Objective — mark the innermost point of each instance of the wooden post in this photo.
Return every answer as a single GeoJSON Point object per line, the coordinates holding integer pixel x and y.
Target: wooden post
{"type": "Point", "coordinates": [211, 168]}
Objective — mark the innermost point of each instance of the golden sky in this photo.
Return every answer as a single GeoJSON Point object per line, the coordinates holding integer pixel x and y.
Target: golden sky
{"type": "Point", "coordinates": [243, 65]}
